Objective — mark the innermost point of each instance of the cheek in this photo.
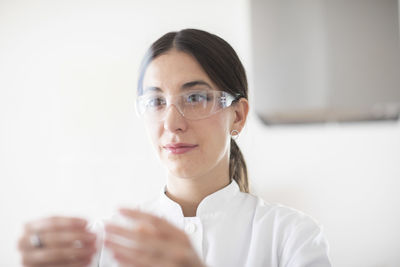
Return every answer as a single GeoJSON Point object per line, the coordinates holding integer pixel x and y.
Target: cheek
{"type": "Point", "coordinates": [215, 136]}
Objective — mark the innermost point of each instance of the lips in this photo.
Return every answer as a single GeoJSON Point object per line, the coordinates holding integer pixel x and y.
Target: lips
{"type": "Point", "coordinates": [179, 148]}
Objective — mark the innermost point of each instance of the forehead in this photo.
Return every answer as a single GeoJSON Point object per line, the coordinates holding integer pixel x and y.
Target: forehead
{"type": "Point", "coordinates": [171, 70]}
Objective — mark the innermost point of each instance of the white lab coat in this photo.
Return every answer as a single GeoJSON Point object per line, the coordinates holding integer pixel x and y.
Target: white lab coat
{"type": "Point", "coordinates": [236, 229]}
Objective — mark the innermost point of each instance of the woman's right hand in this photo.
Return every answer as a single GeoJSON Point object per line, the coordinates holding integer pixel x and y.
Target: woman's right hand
{"type": "Point", "coordinates": [57, 241]}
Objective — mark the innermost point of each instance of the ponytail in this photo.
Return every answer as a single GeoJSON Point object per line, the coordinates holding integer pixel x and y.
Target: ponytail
{"type": "Point", "coordinates": [238, 168]}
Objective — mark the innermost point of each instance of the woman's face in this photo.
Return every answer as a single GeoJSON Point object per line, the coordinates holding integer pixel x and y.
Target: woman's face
{"type": "Point", "coordinates": [210, 136]}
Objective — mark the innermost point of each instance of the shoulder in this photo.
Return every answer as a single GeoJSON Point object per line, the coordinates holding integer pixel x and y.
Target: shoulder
{"type": "Point", "coordinates": [286, 224]}
{"type": "Point", "coordinates": [300, 237]}
{"type": "Point", "coordinates": [278, 213]}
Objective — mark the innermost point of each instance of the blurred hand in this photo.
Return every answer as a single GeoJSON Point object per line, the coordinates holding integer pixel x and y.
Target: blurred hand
{"type": "Point", "coordinates": [154, 243]}
{"type": "Point", "coordinates": [57, 241]}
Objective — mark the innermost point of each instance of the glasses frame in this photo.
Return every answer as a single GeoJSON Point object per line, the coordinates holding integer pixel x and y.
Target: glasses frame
{"type": "Point", "coordinates": [174, 99]}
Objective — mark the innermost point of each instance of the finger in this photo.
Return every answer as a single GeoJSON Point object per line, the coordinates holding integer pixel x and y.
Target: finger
{"type": "Point", "coordinates": [162, 254]}
{"type": "Point", "coordinates": [56, 223]}
{"type": "Point", "coordinates": [128, 256]}
{"type": "Point", "coordinates": [140, 237]}
{"type": "Point", "coordinates": [61, 239]}
{"type": "Point", "coordinates": [53, 256]}
{"type": "Point", "coordinates": [145, 242]}
{"type": "Point", "coordinates": [82, 263]}
{"type": "Point", "coordinates": [163, 226]}
{"type": "Point", "coordinates": [127, 264]}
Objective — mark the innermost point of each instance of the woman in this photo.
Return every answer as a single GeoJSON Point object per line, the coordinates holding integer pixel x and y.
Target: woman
{"type": "Point", "coordinates": [192, 95]}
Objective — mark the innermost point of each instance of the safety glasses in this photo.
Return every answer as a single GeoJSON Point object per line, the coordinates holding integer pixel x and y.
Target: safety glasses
{"type": "Point", "coordinates": [193, 105]}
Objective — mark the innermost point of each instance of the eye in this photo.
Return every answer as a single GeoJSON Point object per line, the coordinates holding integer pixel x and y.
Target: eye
{"type": "Point", "coordinates": [155, 102]}
{"type": "Point", "coordinates": [198, 97]}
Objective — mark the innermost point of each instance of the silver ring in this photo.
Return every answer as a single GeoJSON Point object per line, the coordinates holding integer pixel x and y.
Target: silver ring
{"type": "Point", "coordinates": [35, 241]}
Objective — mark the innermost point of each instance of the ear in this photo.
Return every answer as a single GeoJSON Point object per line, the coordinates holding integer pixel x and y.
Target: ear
{"type": "Point", "coordinates": [241, 109]}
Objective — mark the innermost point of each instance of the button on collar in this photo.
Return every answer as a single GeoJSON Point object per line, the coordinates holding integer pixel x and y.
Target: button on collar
{"type": "Point", "coordinates": [190, 228]}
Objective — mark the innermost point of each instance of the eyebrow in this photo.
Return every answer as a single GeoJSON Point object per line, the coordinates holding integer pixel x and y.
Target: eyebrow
{"type": "Point", "coordinates": [191, 84]}
{"type": "Point", "coordinates": [185, 86]}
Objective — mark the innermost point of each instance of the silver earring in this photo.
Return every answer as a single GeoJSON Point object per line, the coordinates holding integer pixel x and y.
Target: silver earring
{"type": "Point", "coordinates": [234, 134]}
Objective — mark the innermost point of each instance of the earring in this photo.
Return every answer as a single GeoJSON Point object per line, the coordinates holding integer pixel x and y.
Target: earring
{"type": "Point", "coordinates": [234, 134]}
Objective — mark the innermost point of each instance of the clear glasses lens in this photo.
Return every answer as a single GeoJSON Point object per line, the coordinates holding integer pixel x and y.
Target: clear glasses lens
{"type": "Point", "coordinates": [192, 105]}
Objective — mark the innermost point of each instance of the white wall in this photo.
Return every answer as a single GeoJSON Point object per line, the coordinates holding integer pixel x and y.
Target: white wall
{"type": "Point", "coordinates": [70, 142]}
{"type": "Point", "coordinates": [347, 177]}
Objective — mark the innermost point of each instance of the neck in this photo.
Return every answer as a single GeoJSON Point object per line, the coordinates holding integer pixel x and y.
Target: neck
{"type": "Point", "coordinates": [189, 192]}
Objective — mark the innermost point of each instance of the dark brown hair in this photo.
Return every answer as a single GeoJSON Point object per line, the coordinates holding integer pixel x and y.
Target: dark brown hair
{"type": "Point", "coordinates": [221, 63]}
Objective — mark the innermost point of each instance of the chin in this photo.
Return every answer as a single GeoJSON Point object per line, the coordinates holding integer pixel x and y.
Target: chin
{"type": "Point", "coordinates": [183, 170]}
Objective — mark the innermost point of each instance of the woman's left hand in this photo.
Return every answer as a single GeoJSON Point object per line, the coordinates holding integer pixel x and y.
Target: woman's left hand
{"type": "Point", "coordinates": [156, 243]}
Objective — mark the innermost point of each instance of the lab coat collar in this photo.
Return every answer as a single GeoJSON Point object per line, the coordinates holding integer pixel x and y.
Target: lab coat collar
{"type": "Point", "coordinates": [211, 204]}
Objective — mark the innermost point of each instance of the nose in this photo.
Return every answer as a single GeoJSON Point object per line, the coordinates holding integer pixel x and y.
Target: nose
{"type": "Point", "coordinates": [174, 120]}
